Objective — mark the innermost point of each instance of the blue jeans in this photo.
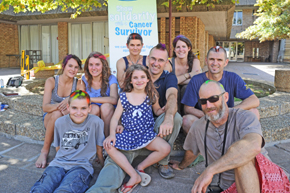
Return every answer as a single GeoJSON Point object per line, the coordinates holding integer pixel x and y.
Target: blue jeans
{"type": "Point", "coordinates": [111, 176]}
{"type": "Point", "coordinates": [56, 179]}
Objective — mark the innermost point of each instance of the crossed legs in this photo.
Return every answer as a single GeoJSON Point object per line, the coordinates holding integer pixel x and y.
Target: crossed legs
{"type": "Point", "coordinates": [160, 150]}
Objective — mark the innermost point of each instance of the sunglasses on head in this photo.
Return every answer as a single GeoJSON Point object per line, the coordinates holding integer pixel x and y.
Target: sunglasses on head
{"type": "Point", "coordinates": [211, 99]}
{"type": "Point", "coordinates": [217, 48]}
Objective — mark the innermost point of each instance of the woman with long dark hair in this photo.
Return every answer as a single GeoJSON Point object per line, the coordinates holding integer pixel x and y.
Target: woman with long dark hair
{"type": "Point", "coordinates": [184, 64]}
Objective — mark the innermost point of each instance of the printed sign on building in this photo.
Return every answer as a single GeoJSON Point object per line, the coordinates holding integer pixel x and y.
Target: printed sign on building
{"type": "Point", "coordinates": [131, 16]}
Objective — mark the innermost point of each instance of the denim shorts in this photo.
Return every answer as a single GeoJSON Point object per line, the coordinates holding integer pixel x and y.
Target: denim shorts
{"type": "Point", "coordinates": [57, 179]}
{"type": "Point", "coordinates": [99, 104]}
{"type": "Point", "coordinates": [43, 116]}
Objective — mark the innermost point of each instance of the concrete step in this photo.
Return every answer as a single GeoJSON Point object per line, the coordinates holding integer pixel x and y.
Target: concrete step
{"type": "Point", "coordinates": [24, 116]}
{"type": "Point", "coordinates": [17, 123]}
{"type": "Point", "coordinates": [276, 128]}
{"type": "Point", "coordinates": [275, 104]}
{"type": "Point", "coordinates": [28, 104]}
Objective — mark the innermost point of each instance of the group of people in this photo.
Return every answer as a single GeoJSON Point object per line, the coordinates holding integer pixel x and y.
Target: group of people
{"type": "Point", "coordinates": [87, 117]}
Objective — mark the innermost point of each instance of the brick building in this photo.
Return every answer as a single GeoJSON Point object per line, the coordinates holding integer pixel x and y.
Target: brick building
{"type": "Point", "coordinates": [246, 50]}
{"type": "Point", "coordinates": [55, 34]}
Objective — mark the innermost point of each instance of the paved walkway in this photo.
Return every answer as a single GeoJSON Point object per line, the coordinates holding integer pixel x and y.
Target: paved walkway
{"type": "Point", "coordinates": [18, 173]}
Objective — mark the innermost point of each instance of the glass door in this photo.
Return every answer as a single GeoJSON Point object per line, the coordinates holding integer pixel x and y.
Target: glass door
{"type": "Point", "coordinates": [241, 51]}
{"type": "Point", "coordinates": [227, 48]}
{"type": "Point", "coordinates": [233, 51]}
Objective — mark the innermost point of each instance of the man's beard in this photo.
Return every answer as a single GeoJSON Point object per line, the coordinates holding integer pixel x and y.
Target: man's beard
{"type": "Point", "coordinates": [221, 112]}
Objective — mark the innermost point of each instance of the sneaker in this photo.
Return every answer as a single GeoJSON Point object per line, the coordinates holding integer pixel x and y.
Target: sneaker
{"type": "Point", "coordinates": [165, 171]}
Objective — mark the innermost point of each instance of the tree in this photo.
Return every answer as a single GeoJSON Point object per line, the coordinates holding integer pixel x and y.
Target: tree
{"type": "Point", "coordinates": [273, 21]}
{"type": "Point", "coordinates": [78, 6]}
{"type": "Point", "coordinates": [190, 3]}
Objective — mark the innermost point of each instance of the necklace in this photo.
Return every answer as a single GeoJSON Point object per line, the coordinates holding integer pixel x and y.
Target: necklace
{"type": "Point", "coordinates": [133, 62]}
{"type": "Point", "coordinates": [224, 144]}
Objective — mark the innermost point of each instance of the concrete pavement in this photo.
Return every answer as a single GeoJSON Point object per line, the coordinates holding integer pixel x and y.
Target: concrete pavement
{"type": "Point", "coordinates": [18, 173]}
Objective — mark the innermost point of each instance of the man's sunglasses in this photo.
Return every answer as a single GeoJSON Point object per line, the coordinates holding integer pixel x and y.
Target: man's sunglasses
{"type": "Point", "coordinates": [211, 99]}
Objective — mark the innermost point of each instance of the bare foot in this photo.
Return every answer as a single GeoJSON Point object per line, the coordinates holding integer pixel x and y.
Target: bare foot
{"type": "Point", "coordinates": [136, 179]}
{"type": "Point", "coordinates": [41, 161]}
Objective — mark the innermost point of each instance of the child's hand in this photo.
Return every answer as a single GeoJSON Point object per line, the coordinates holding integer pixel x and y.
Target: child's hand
{"type": "Point", "coordinates": [109, 141]}
{"type": "Point", "coordinates": [160, 111]}
{"type": "Point", "coordinates": [119, 129]}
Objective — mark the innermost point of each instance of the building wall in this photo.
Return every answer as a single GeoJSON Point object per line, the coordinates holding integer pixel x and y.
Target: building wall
{"type": "Point", "coordinates": [192, 27]}
{"type": "Point", "coordinates": [287, 51]}
{"type": "Point", "coordinates": [62, 40]}
{"type": "Point", "coordinates": [266, 49]}
{"type": "Point", "coordinates": [9, 44]}
{"type": "Point", "coordinates": [248, 20]}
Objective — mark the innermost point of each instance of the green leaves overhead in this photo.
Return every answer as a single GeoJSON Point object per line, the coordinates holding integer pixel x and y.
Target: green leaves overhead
{"type": "Point", "coordinates": [179, 4]}
{"type": "Point", "coordinates": [78, 6]}
{"type": "Point", "coordinates": [273, 21]}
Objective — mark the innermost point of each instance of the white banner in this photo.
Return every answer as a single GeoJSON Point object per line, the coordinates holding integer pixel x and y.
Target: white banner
{"type": "Point", "coordinates": [131, 16]}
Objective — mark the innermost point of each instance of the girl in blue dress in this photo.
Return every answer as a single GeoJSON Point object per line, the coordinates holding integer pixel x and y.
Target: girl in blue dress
{"type": "Point", "coordinates": [134, 107]}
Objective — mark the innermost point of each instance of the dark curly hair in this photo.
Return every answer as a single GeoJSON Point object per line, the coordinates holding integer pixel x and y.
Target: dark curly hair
{"type": "Point", "coordinates": [106, 72]}
{"type": "Point", "coordinates": [190, 56]}
{"type": "Point", "coordinates": [150, 89]}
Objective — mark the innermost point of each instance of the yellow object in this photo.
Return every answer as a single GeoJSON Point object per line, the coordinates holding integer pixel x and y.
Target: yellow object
{"type": "Point", "coordinates": [41, 66]}
{"type": "Point", "coordinates": [25, 62]}
{"type": "Point", "coordinates": [196, 52]}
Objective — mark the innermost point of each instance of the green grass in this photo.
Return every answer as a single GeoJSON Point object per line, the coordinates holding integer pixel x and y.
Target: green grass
{"type": "Point", "coordinates": [257, 90]}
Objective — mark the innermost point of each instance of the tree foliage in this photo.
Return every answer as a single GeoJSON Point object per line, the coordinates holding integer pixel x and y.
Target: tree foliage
{"type": "Point", "coordinates": [179, 4]}
{"type": "Point", "coordinates": [273, 21]}
{"type": "Point", "coordinates": [77, 6]}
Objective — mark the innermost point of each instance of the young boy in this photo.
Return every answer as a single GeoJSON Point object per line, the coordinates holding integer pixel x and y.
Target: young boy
{"type": "Point", "coordinates": [77, 138]}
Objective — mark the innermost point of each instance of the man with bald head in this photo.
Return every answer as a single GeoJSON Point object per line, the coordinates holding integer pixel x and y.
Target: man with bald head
{"type": "Point", "coordinates": [216, 60]}
{"type": "Point", "coordinates": [231, 140]}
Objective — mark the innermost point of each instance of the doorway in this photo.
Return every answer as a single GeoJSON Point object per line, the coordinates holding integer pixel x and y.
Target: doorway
{"type": "Point", "coordinates": [235, 50]}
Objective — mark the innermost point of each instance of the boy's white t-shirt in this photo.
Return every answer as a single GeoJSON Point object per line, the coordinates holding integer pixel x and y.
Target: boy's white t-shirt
{"type": "Point", "coordinates": [77, 142]}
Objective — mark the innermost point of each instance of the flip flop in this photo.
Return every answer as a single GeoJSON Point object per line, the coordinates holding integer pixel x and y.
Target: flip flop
{"type": "Point", "coordinates": [125, 186]}
{"type": "Point", "coordinates": [146, 179]}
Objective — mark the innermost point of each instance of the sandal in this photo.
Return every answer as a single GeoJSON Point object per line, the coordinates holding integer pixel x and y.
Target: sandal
{"type": "Point", "coordinates": [125, 186]}
{"type": "Point", "coordinates": [146, 179]}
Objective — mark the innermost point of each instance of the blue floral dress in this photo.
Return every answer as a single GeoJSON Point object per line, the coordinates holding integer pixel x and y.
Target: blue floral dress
{"type": "Point", "coordinates": [138, 125]}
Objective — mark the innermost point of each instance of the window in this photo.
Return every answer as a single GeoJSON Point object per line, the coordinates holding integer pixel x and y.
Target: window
{"type": "Point", "coordinates": [238, 18]}
{"type": "Point", "coordinates": [38, 37]}
{"type": "Point", "coordinates": [87, 37]}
